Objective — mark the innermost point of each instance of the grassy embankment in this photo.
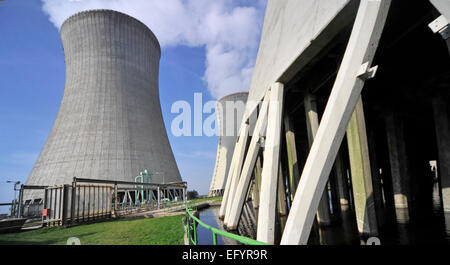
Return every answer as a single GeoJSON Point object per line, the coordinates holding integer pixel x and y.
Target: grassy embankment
{"type": "Point", "coordinates": [197, 201]}
{"type": "Point", "coordinates": [155, 231]}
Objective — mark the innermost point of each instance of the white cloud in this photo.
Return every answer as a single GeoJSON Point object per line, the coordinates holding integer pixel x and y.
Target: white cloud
{"type": "Point", "coordinates": [228, 29]}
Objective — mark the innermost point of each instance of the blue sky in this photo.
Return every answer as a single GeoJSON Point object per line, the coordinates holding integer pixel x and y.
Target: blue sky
{"type": "Point", "coordinates": [32, 73]}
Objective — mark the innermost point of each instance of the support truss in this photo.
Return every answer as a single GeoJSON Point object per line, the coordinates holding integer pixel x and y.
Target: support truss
{"type": "Point", "coordinates": [354, 71]}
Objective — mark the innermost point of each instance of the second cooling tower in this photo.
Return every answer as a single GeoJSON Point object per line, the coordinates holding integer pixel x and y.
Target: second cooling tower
{"type": "Point", "coordinates": [109, 125]}
{"type": "Point", "coordinates": [229, 112]}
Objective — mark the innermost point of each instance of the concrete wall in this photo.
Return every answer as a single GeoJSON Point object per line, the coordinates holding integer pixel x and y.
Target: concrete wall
{"type": "Point", "coordinates": [226, 141]}
{"type": "Point", "coordinates": [443, 6]}
{"type": "Point", "coordinates": [109, 125]}
{"type": "Point", "coordinates": [293, 31]}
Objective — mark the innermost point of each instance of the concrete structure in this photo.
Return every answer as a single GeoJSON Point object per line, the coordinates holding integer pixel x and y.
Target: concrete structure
{"type": "Point", "coordinates": [270, 168]}
{"type": "Point", "coordinates": [442, 119]}
{"type": "Point", "coordinates": [242, 178]}
{"type": "Point", "coordinates": [109, 125]}
{"type": "Point", "coordinates": [399, 167]}
{"type": "Point", "coordinates": [326, 49]}
{"type": "Point", "coordinates": [361, 172]}
{"type": "Point", "coordinates": [440, 107]}
{"type": "Point", "coordinates": [312, 124]}
{"type": "Point", "coordinates": [229, 111]}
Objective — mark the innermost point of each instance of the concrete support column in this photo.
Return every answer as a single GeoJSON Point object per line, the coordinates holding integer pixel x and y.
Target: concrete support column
{"type": "Point", "coordinates": [358, 150]}
{"type": "Point", "coordinates": [448, 44]}
{"type": "Point", "coordinates": [334, 198]}
{"type": "Point", "coordinates": [341, 179]}
{"type": "Point", "coordinates": [270, 168]}
{"type": "Point", "coordinates": [293, 169]}
{"type": "Point", "coordinates": [281, 198]}
{"type": "Point", "coordinates": [323, 214]}
{"type": "Point", "coordinates": [257, 184]}
{"type": "Point", "coordinates": [239, 156]}
{"type": "Point", "coordinates": [376, 178]}
{"type": "Point", "coordinates": [442, 127]}
{"type": "Point", "coordinates": [399, 167]}
{"type": "Point", "coordinates": [346, 90]}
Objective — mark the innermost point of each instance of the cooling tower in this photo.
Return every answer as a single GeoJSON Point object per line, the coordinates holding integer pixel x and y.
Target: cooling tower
{"type": "Point", "coordinates": [109, 125]}
{"type": "Point", "coordinates": [229, 112]}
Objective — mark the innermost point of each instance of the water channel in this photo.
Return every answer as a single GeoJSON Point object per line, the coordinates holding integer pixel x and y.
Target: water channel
{"type": "Point", "coordinates": [432, 228]}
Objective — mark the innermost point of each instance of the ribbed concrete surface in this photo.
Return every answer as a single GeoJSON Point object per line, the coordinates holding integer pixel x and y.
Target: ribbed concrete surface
{"type": "Point", "coordinates": [109, 125]}
{"type": "Point", "coordinates": [232, 104]}
{"type": "Point", "coordinates": [284, 42]}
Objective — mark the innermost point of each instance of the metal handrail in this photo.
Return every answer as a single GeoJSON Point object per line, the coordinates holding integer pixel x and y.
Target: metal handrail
{"type": "Point", "coordinates": [215, 232]}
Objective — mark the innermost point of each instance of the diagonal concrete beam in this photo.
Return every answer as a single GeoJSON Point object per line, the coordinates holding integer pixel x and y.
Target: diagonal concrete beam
{"type": "Point", "coordinates": [344, 95]}
{"type": "Point", "coordinates": [247, 169]}
{"type": "Point", "coordinates": [269, 176]}
{"type": "Point", "coordinates": [239, 153]}
{"type": "Point", "coordinates": [244, 130]}
{"type": "Point", "coordinates": [228, 188]}
{"type": "Point", "coordinates": [323, 214]}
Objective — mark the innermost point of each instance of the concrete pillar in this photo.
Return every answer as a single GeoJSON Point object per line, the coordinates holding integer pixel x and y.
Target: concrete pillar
{"type": "Point", "coordinates": [442, 128]}
{"type": "Point", "coordinates": [334, 197]}
{"type": "Point", "coordinates": [257, 184]}
{"type": "Point", "coordinates": [323, 214]}
{"type": "Point", "coordinates": [353, 71]}
{"type": "Point", "coordinates": [281, 198]}
{"type": "Point", "coordinates": [448, 44]}
{"type": "Point", "coordinates": [341, 179]}
{"type": "Point", "coordinates": [399, 167]}
{"type": "Point", "coordinates": [361, 174]}
{"type": "Point", "coordinates": [232, 216]}
{"type": "Point", "coordinates": [293, 169]}
{"type": "Point", "coordinates": [375, 166]}
{"type": "Point", "coordinates": [270, 169]}
{"type": "Point", "coordinates": [239, 153]}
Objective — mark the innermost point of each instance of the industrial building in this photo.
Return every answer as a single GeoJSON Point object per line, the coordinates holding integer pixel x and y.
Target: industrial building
{"type": "Point", "coordinates": [352, 103]}
{"type": "Point", "coordinates": [109, 125]}
{"type": "Point", "coordinates": [229, 111]}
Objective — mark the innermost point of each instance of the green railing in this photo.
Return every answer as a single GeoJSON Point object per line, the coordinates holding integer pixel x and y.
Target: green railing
{"type": "Point", "coordinates": [215, 232]}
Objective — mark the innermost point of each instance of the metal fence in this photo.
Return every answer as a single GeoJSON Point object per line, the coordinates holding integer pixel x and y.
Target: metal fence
{"type": "Point", "coordinates": [70, 204]}
{"type": "Point", "coordinates": [90, 200]}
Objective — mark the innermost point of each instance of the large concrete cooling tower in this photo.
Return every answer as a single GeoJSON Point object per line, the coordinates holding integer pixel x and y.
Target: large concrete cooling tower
{"type": "Point", "coordinates": [109, 125]}
{"type": "Point", "coordinates": [229, 112]}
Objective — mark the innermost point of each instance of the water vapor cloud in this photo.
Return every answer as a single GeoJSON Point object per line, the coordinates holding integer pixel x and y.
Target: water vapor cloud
{"type": "Point", "coordinates": [229, 30]}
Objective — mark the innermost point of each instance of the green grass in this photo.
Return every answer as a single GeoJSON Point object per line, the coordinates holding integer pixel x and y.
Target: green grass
{"type": "Point", "coordinates": [155, 231]}
{"type": "Point", "coordinates": [206, 199]}
{"type": "Point", "coordinates": [193, 202]}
